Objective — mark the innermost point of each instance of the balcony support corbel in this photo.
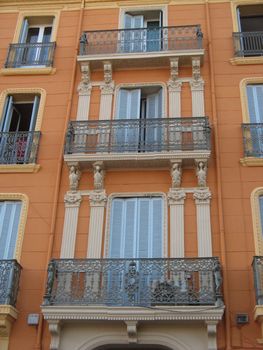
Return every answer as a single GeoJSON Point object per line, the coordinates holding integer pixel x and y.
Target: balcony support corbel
{"type": "Point", "coordinates": [132, 331]}
{"type": "Point", "coordinates": [174, 89]}
{"type": "Point", "coordinates": [197, 88]}
{"type": "Point", "coordinates": [211, 335]}
{"type": "Point", "coordinates": [107, 91]}
{"type": "Point", "coordinates": [84, 90]}
{"type": "Point", "coordinates": [8, 315]}
{"type": "Point", "coordinates": [54, 329]}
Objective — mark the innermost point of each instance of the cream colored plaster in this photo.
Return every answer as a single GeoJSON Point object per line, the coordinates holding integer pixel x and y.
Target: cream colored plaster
{"type": "Point", "coordinates": [141, 85]}
{"type": "Point", "coordinates": [256, 220]}
{"type": "Point", "coordinates": [251, 161]}
{"type": "Point", "coordinates": [136, 194]}
{"type": "Point", "coordinates": [19, 168]}
{"type": "Point", "coordinates": [243, 95]}
{"type": "Point", "coordinates": [234, 5]}
{"type": "Point", "coordinates": [28, 71]}
{"type": "Point", "coordinates": [22, 222]}
{"type": "Point", "coordinates": [8, 314]}
{"type": "Point", "coordinates": [246, 60]}
{"type": "Point", "coordinates": [37, 13]}
{"type": "Point", "coordinates": [29, 91]}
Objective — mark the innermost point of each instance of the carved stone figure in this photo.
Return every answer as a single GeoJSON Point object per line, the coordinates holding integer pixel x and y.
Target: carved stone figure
{"type": "Point", "coordinates": [74, 177]}
{"type": "Point", "coordinates": [176, 174]}
{"type": "Point", "coordinates": [201, 174]}
{"type": "Point", "coordinates": [98, 176]}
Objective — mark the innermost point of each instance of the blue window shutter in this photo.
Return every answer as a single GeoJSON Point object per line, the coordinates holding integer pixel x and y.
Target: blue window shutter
{"type": "Point", "coordinates": [130, 228]}
{"type": "Point", "coordinates": [9, 222]}
{"type": "Point", "coordinates": [255, 102]}
{"type": "Point", "coordinates": [261, 213]}
{"type": "Point", "coordinates": [134, 103]}
{"type": "Point", "coordinates": [128, 21]}
{"type": "Point", "coordinates": [144, 228]}
{"type": "Point", "coordinates": [157, 228]}
{"type": "Point", "coordinates": [116, 228]}
{"type": "Point", "coordinates": [34, 113]}
{"type": "Point", "coordinates": [122, 110]}
{"type": "Point", "coordinates": [24, 31]}
{"type": "Point", "coordinates": [7, 114]}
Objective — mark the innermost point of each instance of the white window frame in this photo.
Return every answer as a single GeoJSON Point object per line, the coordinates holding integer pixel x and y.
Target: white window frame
{"type": "Point", "coordinates": [136, 195]}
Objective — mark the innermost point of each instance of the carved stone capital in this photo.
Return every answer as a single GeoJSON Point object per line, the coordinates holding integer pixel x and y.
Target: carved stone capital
{"type": "Point", "coordinates": [84, 87]}
{"type": "Point", "coordinates": [98, 175]}
{"type": "Point", "coordinates": [72, 199]}
{"type": "Point", "coordinates": [176, 196]}
{"type": "Point", "coordinates": [54, 329]}
{"type": "Point", "coordinates": [132, 331]}
{"type": "Point", "coordinates": [174, 85]}
{"type": "Point", "coordinates": [98, 198]}
{"type": "Point", "coordinates": [107, 89]}
{"type": "Point", "coordinates": [107, 66]}
{"type": "Point", "coordinates": [176, 173]}
{"type": "Point", "coordinates": [197, 85]}
{"type": "Point", "coordinates": [202, 196]}
{"type": "Point", "coordinates": [74, 177]}
{"type": "Point", "coordinates": [196, 68]}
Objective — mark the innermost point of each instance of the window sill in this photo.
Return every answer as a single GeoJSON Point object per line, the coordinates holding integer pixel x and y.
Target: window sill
{"type": "Point", "coordinates": [28, 71]}
{"type": "Point", "coordinates": [19, 168]}
{"type": "Point", "coordinates": [251, 161]}
{"type": "Point", "coordinates": [236, 61]}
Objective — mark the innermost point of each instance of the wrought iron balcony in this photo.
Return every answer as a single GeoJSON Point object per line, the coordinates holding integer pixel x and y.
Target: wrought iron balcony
{"type": "Point", "coordinates": [138, 136]}
{"type": "Point", "coordinates": [248, 44]}
{"type": "Point", "coordinates": [141, 40]}
{"type": "Point", "coordinates": [28, 55]}
{"type": "Point", "coordinates": [134, 282]}
{"type": "Point", "coordinates": [9, 281]}
{"type": "Point", "coordinates": [19, 147]}
{"type": "Point", "coordinates": [253, 139]}
{"type": "Point", "coordinates": [258, 278]}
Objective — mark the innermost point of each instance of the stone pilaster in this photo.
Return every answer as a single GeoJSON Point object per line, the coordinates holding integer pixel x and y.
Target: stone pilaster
{"type": "Point", "coordinates": [176, 198]}
{"type": "Point", "coordinates": [84, 90]}
{"type": "Point", "coordinates": [107, 91]}
{"type": "Point", "coordinates": [174, 90]}
{"type": "Point", "coordinates": [98, 201]}
{"type": "Point", "coordinates": [202, 199]}
{"type": "Point", "coordinates": [197, 88]}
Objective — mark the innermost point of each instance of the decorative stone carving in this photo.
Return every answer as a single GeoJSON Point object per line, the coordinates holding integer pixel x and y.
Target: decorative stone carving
{"type": "Point", "coordinates": [196, 70]}
{"type": "Point", "coordinates": [174, 84]}
{"type": "Point", "coordinates": [54, 329]}
{"type": "Point", "coordinates": [176, 196]}
{"type": "Point", "coordinates": [74, 177]}
{"type": "Point", "coordinates": [197, 85]}
{"type": "Point", "coordinates": [107, 72]}
{"type": "Point", "coordinates": [84, 86]}
{"type": "Point", "coordinates": [201, 173]}
{"type": "Point", "coordinates": [211, 335]}
{"type": "Point", "coordinates": [176, 174]}
{"type": "Point", "coordinates": [202, 196]}
{"type": "Point", "coordinates": [98, 198]}
{"type": "Point", "coordinates": [99, 174]}
{"type": "Point", "coordinates": [72, 199]}
{"type": "Point", "coordinates": [107, 89]}
{"type": "Point", "coordinates": [132, 331]}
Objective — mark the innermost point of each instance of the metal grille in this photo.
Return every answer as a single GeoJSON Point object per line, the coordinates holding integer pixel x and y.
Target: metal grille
{"type": "Point", "coordinates": [134, 282]}
{"type": "Point", "coordinates": [248, 44]}
{"type": "Point", "coordinates": [138, 135]}
{"type": "Point", "coordinates": [258, 278]}
{"type": "Point", "coordinates": [38, 54]}
{"type": "Point", "coordinates": [9, 281]}
{"type": "Point", "coordinates": [253, 139]}
{"type": "Point", "coordinates": [141, 40]}
{"type": "Point", "coordinates": [19, 147]}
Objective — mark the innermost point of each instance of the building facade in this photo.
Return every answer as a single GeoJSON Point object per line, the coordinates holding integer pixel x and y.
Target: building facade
{"type": "Point", "coordinates": [131, 192]}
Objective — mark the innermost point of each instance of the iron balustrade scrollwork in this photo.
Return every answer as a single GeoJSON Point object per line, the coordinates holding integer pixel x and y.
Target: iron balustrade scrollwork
{"type": "Point", "coordinates": [134, 282]}
{"type": "Point", "coordinates": [248, 44]}
{"type": "Point", "coordinates": [138, 135]}
{"type": "Point", "coordinates": [9, 281]}
{"type": "Point", "coordinates": [258, 278]}
{"type": "Point", "coordinates": [141, 40]}
{"type": "Point", "coordinates": [30, 55]}
{"type": "Point", "coordinates": [253, 139]}
{"type": "Point", "coordinates": [19, 147]}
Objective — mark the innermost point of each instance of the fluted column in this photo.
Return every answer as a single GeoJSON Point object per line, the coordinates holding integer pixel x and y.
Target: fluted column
{"type": "Point", "coordinates": [72, 203]}
{"type": "Point", "coordinates": [98, 201]}
{"type": "Point", "coordinates": [107, 91]}
{"type": "Point", "coordinates": [202, 200]}
{"type": "Point", "coordinates": [198, 101]}
{"type": "Point", "coordinates": [84, 90]}
{"type": "Point", "coordinates": [176, 198]}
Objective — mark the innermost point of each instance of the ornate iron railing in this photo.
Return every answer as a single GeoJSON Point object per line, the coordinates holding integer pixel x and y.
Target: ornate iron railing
{"type": "Point", "coordinates": [138, 135]}
{"type": "Point", "coordinates": [9, 281]}
{"type": "Point", "coordinates": [141, 40]}
{"type": "Point", "coordinates": [248, 44]}
{"type": "Point", "coordinates": [253, 139]}
{"type": "Point", "coordinates": [258, 278]}
{"type": "Point", "coordinates": [37, 54]}
{"type": "Point", "coordinates": [134, 282]}
{"type": "Point", "coordinates": [19, 147]}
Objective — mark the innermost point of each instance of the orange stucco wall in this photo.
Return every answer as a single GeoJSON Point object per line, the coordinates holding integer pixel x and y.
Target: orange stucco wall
{"type": "Point", "coordinates": [237, 181]}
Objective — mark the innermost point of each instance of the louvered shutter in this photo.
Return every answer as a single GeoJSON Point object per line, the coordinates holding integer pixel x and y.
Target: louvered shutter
{"type": "Point", "coordinates": [7, 114]}
{"type": "Point", "coordinates": [153, 111]}
{"type": "Point", "coordinates": [130, 228]}
{"type": "Point", "coordinates": [9, 222]}
{"type": "Point", "coordinates": [157, 228]}
{"type": "Point", "coordinates": [24, 31]}
{"type": "Point", "coordinates": [116, 228]}
{"type": "Point", "coordinates": [144, 228]}
{"type": "Point", "coordinates": [255, 103]}
{"type": "Point", "coordinates": [34, 113]}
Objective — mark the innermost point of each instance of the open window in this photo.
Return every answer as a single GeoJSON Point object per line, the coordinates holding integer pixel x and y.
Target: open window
{"type": "Point", "coordinates": [17, 129]}
{"type": "Point", "coordinates": [142, 32]}
{"type": "Point", "coordinates": [144, 106]}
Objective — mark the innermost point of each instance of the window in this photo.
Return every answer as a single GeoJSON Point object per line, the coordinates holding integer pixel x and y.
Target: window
{"type": "Point", "coordinates": [250, 25]}
{"type": "Point", "coordinates": [136, 228]}
{"type": "Point", "coordinates": [34, 47]}
{"type": "Point", "coordinates": [147, 33]}
{"type": "Point", "coordinates": [17, 129]}
{"type": "Point", "coordinates": [9, 223]}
